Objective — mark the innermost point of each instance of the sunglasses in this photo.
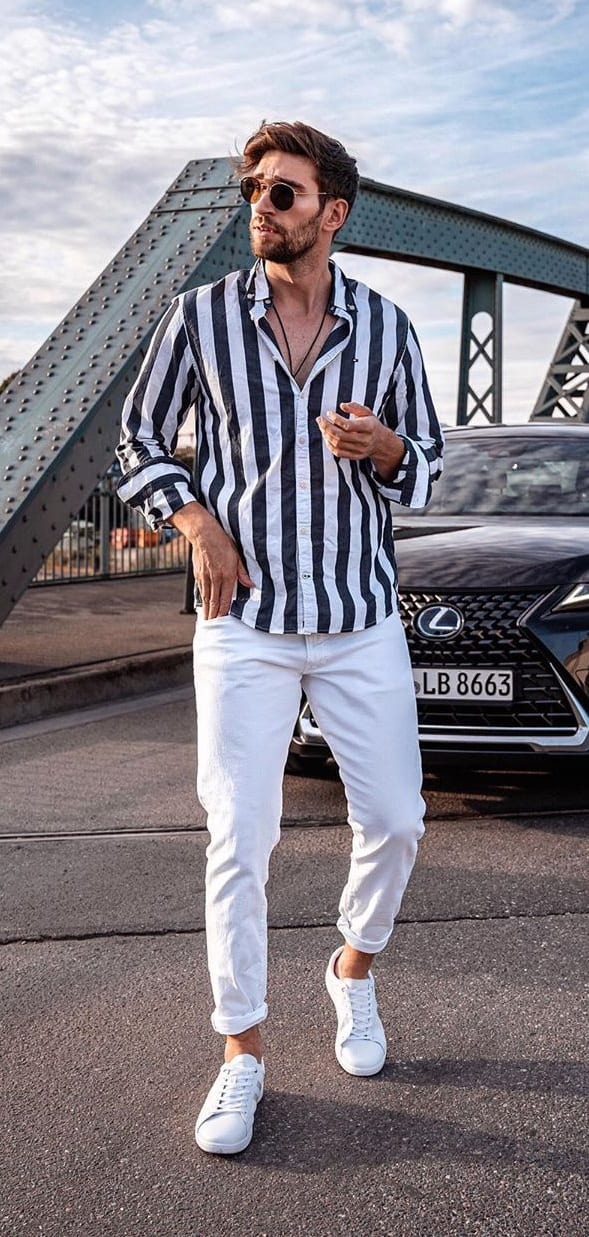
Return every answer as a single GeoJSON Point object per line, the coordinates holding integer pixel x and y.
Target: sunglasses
{"type": "Point", "coordinates": [282, 196]}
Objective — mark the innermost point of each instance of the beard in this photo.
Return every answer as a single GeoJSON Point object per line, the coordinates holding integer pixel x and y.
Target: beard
{"type": "Point", "coordinates": [288, 247]}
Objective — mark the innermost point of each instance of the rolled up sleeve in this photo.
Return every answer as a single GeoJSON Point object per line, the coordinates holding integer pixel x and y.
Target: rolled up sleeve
{"type": "Point", "coordinates": [408, 410]}
{"type": "Point", "coordinates": [153, 481]}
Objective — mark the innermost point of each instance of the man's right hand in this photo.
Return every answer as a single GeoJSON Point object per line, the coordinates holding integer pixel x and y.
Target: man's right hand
{"type": "Point", "coordinates": [217, 565]}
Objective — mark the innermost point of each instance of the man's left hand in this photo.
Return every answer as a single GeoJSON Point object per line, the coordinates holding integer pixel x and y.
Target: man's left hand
{"type": "Point", "coordinates": [364, 437]}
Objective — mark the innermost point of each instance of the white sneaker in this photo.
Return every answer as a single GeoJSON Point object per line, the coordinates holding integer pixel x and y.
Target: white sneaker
{"type": "Point", "coordinates": [225, 1123]}
{"type": "Point", "coordinates": [360, 1042]}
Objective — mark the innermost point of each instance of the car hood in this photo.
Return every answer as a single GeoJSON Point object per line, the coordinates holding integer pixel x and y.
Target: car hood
{"type": "Point", "coordinates": [431, 556]}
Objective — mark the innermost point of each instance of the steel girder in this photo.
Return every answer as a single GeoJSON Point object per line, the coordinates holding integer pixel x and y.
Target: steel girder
{"type": "Point", "coordinates": [565, 392]}
{"type": "Point", "coordinates": [394, 223]}
{"type": "Point", "coordinates": [480, 375]}
{"type": "Point", "coordinates": [61, 413]}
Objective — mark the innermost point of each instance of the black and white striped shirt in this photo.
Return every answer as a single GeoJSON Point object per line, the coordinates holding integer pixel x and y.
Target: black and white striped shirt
{"type": "Point", "coordinates": [315, 532]}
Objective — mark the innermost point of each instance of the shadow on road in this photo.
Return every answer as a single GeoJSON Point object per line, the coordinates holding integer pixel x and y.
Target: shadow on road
{"type": "Point", "coordinates": [321, 1133]}
{"type": "Point", "coordinates": [484, 788]}
{"type": "Point", "coordinates": [545, 1077]}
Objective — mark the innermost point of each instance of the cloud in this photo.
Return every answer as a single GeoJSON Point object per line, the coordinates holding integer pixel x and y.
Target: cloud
{"type": "Point", "coordinates": [477, 103]}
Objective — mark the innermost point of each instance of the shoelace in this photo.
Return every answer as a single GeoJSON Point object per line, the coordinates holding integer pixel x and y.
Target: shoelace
{"type": "Point", "coordinates": [361, 1007]}
{"type": "Point", "coordinates": [235, 1089]}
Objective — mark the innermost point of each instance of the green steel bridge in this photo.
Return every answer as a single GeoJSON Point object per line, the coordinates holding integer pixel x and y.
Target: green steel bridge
{"type": "Point", "coordinates": [60, 415]}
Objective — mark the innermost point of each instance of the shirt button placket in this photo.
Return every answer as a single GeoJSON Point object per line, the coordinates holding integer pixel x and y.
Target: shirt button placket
{"type": "Point", "coordinates": [303, 481]}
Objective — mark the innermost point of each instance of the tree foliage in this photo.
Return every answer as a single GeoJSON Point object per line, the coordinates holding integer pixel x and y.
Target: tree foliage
{"type": "Point", "coordinates": [6, 381]}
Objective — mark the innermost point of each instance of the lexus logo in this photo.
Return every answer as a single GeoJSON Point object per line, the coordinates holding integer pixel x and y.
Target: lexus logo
{"type": "Point", "coordinates": [439, 622]}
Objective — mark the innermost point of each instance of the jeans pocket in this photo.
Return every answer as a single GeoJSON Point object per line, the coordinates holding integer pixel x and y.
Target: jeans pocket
{"type": "Point", "coordinates": [203, 623]}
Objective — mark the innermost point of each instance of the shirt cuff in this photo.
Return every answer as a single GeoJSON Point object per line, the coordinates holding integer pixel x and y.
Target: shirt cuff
{"type": "Point", "coordinates": [411, 485]}
{"type": "Point", "coordinates": [159, 498]}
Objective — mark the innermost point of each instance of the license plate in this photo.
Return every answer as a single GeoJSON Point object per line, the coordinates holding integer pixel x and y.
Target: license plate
{"type": "Point", "coordinates": [485, 684]}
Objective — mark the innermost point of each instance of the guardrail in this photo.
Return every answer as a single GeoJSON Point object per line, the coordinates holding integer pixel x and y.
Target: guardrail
{"type": "Point", "coordinates": [109, 539]}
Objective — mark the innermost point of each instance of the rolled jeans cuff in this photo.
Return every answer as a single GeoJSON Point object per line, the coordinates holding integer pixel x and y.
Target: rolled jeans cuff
{"type": "Point", "coordinates": [240, 1022]}
{"type": "Point", "coordinates": [357, 942]}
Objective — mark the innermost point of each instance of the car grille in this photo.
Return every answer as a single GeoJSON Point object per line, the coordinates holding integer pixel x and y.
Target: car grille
{"type": "Point", "coordinates": [490, 638]}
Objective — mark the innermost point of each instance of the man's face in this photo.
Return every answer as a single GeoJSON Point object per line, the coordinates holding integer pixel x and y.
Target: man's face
{"type": "Point", "coordinates": [285, 236]}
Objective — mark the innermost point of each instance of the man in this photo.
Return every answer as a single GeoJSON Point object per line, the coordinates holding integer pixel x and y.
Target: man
{"type": "Point", "coordinates": [313, 418]}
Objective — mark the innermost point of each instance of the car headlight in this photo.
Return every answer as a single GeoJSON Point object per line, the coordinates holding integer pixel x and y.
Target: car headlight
{"type": "Point", "coordinates": [577, 598]}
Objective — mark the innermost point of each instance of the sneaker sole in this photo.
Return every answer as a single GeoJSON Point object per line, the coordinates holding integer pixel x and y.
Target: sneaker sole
{"type": "Point", "coordinates": [361, 1073]}
{"type": "Point", "coordinates": [216, 1149]}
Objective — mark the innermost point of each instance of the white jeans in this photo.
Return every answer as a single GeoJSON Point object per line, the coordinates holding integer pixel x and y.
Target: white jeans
{"type": "Point", "coordinates": [248, 691]}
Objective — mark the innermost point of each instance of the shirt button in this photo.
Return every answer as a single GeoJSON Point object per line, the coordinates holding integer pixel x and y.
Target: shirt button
{"type": "Point", "coordinates": [304, 532]}
{"type": "Point", "coordinates": [306, 575]}
{"type": "Point", "coordinates": [303, 485]}
{"type": "Point", "coordinates": [301, 440]}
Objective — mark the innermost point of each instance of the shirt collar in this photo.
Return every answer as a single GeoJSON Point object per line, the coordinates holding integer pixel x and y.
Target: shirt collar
{"type": "Point", "coordinates": [342, 296]}
{"type": "Point", "coordinates": [342, 302]}
{"type": "Point", "coordinates": [257, 286]}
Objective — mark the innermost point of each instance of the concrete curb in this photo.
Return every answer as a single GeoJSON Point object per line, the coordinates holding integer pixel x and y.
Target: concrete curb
{"type": "Point", "coordinates": [30, 700]}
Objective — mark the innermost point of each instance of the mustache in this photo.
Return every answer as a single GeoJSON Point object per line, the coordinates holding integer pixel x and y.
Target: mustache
{"type": "Point", "coordinates": [262, 222]}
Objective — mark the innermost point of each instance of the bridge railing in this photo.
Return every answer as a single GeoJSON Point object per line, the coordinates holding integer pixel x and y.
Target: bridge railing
{"type": "Point", "coordinates": [108, 539]}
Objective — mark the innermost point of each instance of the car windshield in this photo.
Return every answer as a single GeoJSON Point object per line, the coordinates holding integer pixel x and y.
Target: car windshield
{"type": "Point", "coordinates": [513, 476]}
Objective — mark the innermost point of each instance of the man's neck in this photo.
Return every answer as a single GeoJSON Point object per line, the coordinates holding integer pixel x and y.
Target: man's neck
{"type": "Point", "coordinates": [302, 286]}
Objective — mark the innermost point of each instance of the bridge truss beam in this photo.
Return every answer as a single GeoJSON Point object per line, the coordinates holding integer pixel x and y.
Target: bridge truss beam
{"type": "Point", "coordinates": [565, 392]}
{"type": "Point", "coordinates": [62, 412]}
{"type": "Point", "coordinates": [481, 368]}
{"type": "Point", "coordinates": [393, 223]}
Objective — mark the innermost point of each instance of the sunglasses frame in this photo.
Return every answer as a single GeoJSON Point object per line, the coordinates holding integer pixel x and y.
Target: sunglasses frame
{"type": "Point", "coordinates": [270, 189]}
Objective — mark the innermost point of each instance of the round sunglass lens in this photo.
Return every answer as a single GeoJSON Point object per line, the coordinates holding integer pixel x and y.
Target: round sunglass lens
{"type": "Point", "coordinates": [282, 196]}
{"type": "Point", "coordinates": [250, 189]}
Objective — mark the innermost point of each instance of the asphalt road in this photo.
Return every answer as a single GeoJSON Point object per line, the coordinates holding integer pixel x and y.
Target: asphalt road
{"type": "Point", "coordinates": [478, 1123]}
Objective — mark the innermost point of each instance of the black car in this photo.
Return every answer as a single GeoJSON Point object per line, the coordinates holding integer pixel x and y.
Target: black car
{"type": "Point", "coordinates": [494, 597]}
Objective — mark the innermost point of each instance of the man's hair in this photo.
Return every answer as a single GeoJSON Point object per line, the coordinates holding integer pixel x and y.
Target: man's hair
{"type": "Point", "coordinates": [337, 171]}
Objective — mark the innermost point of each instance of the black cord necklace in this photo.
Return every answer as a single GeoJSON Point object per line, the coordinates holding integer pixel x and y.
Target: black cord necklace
{"type": "Point", "coordinates": [294, 372]}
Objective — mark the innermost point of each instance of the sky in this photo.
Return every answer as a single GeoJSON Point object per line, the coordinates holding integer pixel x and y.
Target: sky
{"type": "Point", "coordinates": [478, 102]}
